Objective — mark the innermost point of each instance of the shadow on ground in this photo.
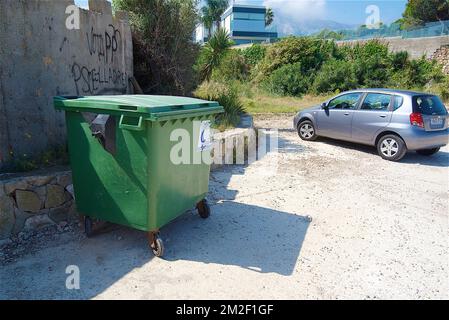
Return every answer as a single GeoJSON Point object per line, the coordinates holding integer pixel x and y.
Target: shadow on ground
{"type": "Point", "coordinates": [255, 238]}
{"type": "Point", "coordinates": [441, 159]}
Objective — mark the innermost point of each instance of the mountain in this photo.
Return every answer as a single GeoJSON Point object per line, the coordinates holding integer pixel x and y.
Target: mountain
{"type": "Point", "coordinates": [308, 27]}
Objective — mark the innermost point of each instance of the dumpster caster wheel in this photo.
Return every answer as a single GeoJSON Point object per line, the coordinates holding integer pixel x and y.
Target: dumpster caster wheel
{"type": "Point", "coordinates": [88, 226]}
{"type": "Point", "coordinates": [157, 247]}
{"type": "Point", "coordinates": [203, 209]}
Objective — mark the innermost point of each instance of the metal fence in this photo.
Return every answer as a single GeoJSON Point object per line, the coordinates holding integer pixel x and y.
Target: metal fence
{"type": "Point", "coordinates": [433, 29]}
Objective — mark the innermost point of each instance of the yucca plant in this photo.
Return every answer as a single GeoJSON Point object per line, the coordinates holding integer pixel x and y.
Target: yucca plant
{"type": "Point", "coordinates": [226, 96]}
{"type": "Point", "coordinates": [213, 52]}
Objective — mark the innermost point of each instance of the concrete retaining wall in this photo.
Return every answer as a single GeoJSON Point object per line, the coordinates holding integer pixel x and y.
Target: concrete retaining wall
{"type": "Point", "coordinates": [41, 58]}
{"type": "Point", "coordinates": [416, 47]}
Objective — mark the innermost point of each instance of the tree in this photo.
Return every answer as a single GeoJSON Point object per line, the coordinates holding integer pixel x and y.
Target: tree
{"type": "Point", "coordinates": [269, 17]}
{"type": "Point", "coordinates": [212, 13]}
{"type": "Point", "coordinates": [213, 53]}
{"type": "Point", "coordinates": [164, 51]}
{"type": "Point", "coordinates": [419, 12]}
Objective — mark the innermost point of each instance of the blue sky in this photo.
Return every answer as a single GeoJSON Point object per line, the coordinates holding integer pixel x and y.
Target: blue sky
{"type": "Point", "coordinates": [290, 13]}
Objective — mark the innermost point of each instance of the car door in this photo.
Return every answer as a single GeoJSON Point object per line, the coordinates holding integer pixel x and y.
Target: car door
{"type": "Point", "coordinates": [374, 114]}
{"type": "Point", "coordinates": [335, 120]}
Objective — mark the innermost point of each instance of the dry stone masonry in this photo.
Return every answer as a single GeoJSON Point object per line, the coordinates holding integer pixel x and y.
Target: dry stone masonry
{"type": "Point", "coordinates": [442, 56]}
{"type": "Point", "coordinates": [35, 201]}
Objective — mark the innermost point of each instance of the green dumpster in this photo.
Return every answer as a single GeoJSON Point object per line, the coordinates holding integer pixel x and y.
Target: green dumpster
{"type": "Point", "coordinates": [121, 153]}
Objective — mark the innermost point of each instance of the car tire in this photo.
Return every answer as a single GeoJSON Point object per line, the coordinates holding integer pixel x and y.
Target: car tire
{"type": "Point", "coordinates": [306, 131]}
{"type": "Point", "coordinates": [391, 147]}
{"type": "Point", "coordinates": [428, 152]}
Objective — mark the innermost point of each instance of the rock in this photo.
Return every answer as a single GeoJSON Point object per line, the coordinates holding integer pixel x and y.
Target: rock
{"type": "Point", "coordinates": [2, 190]}
{"type": "Point", "coordinates": [55, 196]}
{"type": "Point", "coordinates": [16, 184]}
{"type": "Point", "coordinates": [5, 242]}
{"type": "Point", "coordinates": [73, 214]}
{"type": "Point", "coordinates": [41, 192]}
{"type": "Point", "coordinates": [64, 179]}
{"type": "Point", "coordinates": [71, 190]}
{"type": "Point", "coordinates": [28, 201]}
{"type": "Point", "coordinates": [7, 218]}
{"type": "Point", "coordinates": [38, 222]}
{"type": "Point", "coordinates": [63, 224]}
{"type": "Point", "coordinates": [39, 181]}
{"type": "Point", "coordinates": [59, 214]}
{"type": "Point", "coordinates": [21, 217]}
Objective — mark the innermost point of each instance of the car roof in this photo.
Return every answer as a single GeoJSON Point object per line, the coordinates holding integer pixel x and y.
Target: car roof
{"type": "Point", "coordinates": [390, 91]}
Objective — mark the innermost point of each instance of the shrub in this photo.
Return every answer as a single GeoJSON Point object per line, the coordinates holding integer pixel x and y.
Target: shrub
{"type": "Point", "coordinates": [287, 81]}
{"type": "Point", "coordinates": [232, 67]}
{"type": "Point", "coordinates": [213, 53]}
{"type": "Point", "coordinates": [309, 52]}
{"type": "Point", "coordinates": [335, 75]}
{"type": "Point", "coordinates": [164, 52]}
{"type": "Point", "coordinates": [254, 54]}
{"type": "Point", "coordinates": [227, 96]}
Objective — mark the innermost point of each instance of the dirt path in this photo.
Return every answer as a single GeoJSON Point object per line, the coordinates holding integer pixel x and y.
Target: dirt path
{"type": "Point", "coordinates": [379, 230]}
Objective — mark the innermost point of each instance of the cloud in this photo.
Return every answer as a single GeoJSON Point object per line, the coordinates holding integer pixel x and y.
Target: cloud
{"type": "Point", "coordinates": [291, 13]}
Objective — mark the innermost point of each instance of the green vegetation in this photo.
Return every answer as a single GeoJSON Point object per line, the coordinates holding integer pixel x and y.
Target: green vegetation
{"type": "Point", "coordinates": [164, 52]}
{"type": "Point", "coordinates": [269, 17]}
{"type": "Point", "coordinates": [419, 12]}
{"type": "Point", "coordinates": [213, 53]}
{"type": "Point", "coordinates": [54, 156]}
{"type": "Point", "coordinates": [211, 13]}
{"type": "Point", "coordinates": [227, 96]}
{"type": "Point", "coordinates": [299, 72]}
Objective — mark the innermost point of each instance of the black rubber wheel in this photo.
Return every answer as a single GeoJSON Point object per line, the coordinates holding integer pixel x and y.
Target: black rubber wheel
{"type": "Point", "coordinates": [391, 147]}
{"type": "Point", "coordinates": [203, 209]}
{"type": "Point", "coordinates": [428, 152]}
{"type": "Point", "coordinates": [306, 131]}
{"type": "Point", "coordinates": [88, 226]}
{"type": "Point", "coordinates": [158, 247]}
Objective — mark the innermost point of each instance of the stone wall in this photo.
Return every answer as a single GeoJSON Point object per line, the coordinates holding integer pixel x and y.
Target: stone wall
{"type": "Point", "coordinates": [50, 48]}
{"type": "Point", "coordinates": [442, 56]}
{"type": "Point", "coordinates": [35, 201]}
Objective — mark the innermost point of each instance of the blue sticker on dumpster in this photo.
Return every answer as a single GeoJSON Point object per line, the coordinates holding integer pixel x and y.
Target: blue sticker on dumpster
{"type": "Point", "coordinates": [204, 140]}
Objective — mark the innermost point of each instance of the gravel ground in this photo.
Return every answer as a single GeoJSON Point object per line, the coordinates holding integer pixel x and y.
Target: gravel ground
{"type": "Point", "coordinates": [379, 231]}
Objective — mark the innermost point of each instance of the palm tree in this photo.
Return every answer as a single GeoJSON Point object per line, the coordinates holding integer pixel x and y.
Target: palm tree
{"type": "Point", "coordinates": [269, 17]}
{"type": "Point", "coordinates": [212, 12]}
{"type": "Point", "coordinates": [213, 52]}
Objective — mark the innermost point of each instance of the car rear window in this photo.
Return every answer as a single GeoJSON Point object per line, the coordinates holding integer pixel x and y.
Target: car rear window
{"type": "Point", "coordinates": [428, 105]}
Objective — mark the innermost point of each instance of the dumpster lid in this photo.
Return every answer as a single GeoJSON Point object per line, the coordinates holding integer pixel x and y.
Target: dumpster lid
{"type": "Point", "coordinates": [142, 105]}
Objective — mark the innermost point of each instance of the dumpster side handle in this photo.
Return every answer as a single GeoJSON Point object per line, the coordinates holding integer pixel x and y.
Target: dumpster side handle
{"type": "Point", "coordinates": [131, 123]}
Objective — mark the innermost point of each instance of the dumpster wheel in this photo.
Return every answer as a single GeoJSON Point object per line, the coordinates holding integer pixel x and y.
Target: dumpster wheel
{"type": "Point", "coordinates": [203, 209]}
{"type": "Point", "coordinates": [156, 244]}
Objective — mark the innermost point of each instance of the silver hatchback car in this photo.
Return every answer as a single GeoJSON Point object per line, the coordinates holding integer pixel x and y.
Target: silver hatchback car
{"type": "Point", "coordinates": [392, 120]}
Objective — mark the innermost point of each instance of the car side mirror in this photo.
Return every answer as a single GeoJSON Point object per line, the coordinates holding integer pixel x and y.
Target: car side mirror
{"type": "Point", "coordinates": [324, 106]}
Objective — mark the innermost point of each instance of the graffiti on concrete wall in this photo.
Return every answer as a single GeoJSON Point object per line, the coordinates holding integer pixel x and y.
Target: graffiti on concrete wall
{"type": "Point", "coordinates": [105, 77]}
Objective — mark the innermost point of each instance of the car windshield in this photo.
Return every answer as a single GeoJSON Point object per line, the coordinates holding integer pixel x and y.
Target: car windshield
{"type": "Point", "coordinates": [428, 105]}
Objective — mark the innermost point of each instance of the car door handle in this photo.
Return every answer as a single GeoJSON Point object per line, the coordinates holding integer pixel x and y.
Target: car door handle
{"type": "Point", "coordinates": [383, 116]}
{"type": "Point", "coordinates": [347, 114]}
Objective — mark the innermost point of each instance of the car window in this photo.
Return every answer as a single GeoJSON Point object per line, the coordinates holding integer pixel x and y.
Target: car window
{"type": "Point", "coordinates": [376, 102]}
{"type": "Point", "coordinates": [346, 101]}
{"type": "Point", "coordinates": [398, 102]}
{"type": "Point", "coordinates": [428, 105]}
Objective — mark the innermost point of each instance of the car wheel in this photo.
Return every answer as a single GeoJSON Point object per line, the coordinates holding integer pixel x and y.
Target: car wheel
{"type": "Point", "coordinates": [391, 148]}
{"type": "Point", "coordinates": [306, 131]}
{"type": "Point", "coordinates": [428, 152]}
